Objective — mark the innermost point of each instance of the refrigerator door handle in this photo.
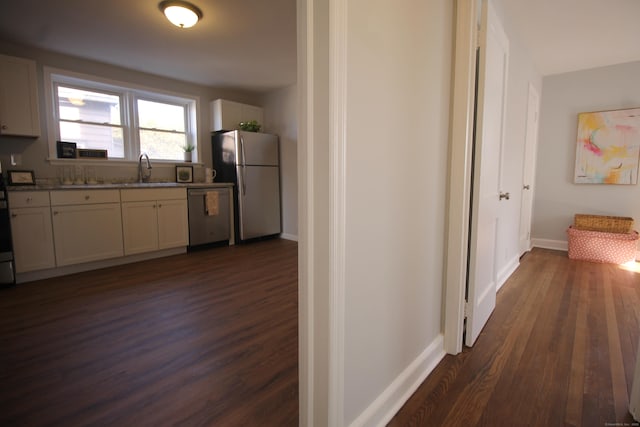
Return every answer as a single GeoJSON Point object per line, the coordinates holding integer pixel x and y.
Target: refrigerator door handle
{"type": "Point", "coordinates": [243, 166]}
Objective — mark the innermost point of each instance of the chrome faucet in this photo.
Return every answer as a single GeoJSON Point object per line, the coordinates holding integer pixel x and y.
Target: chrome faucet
{"type": "Point", "coordinates": [144, 177]}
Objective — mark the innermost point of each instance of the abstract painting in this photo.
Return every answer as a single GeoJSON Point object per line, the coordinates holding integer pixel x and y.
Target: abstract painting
{"type": "Point", "coordinates": [608, 147]}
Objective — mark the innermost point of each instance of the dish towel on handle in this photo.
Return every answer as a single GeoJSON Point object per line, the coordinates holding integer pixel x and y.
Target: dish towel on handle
{"type": "Point", "coordinates": [211, 203]}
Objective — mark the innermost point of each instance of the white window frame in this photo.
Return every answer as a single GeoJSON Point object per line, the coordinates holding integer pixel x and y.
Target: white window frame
{"type": "Point", "coordinates": [129, 94]}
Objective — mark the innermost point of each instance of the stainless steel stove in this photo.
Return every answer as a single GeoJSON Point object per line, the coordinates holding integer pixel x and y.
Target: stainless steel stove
{"type": "Point", "coordinates": [7, 269]}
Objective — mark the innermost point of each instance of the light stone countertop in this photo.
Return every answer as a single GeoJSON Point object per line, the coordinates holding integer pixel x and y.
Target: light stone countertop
{"type": "Point", "coordinates": [125, 185]}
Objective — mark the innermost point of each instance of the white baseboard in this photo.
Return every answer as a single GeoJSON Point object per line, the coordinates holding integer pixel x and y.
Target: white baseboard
{"type": "Point", "coordinates": [507, 271]}
{"type": "Point", "coordinates": [559, 245]}
{"type": "Point", "coordinates": [94, 265]}
{"type": "Point", "coordinates": [389, 402]}
{"type": "Point", "coordinates": [289, 236]}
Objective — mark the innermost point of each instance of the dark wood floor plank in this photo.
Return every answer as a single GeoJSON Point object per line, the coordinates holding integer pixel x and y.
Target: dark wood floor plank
{"type": "Point", "coordinates": [573, 416]}
{"type": "Point", "coordinates": [205, 338]}
{"type": "Point", "coordinates": [521, 330]}
{"type": "Point", "coordinates": [616, 363]}
{"type": "Point", "coordinates": [559, 350]}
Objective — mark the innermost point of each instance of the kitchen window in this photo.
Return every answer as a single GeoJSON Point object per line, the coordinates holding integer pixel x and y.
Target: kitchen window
{"type": "Point", "coordinates": [124, 120]}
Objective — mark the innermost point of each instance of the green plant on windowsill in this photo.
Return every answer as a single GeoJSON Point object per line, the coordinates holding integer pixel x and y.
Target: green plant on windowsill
{"type": "Point", "coordinates": [188, 148]}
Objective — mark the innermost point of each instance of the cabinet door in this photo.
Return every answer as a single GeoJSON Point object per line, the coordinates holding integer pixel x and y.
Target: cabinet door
{"type": "Point", "coordinates": [19, 113]}
{"type": "Point", "coordinates": [140, 227]}
{"type": "Point", "coordinates": [87, 232]}
{"type": "Point", "coordinates": [225, 115]}
{"type": "Point", "coordinates": [32, 239]}
{"type": "Point", "coordinates": [173, 224]}
{"type": "Point", "coordinates": [251, 112]}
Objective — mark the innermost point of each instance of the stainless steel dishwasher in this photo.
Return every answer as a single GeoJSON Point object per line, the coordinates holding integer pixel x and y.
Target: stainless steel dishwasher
{"type": "Point", "coordinates": [207, 224]}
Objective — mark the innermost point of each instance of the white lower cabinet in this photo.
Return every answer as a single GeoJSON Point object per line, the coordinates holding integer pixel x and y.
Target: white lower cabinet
{"type": "Point", "coordinates": [173, 223]}
{"type": "Point", "coordinates": [154, 219]}
{"type": "Point", "coordinates": [139, 227]}
{"type": "Point", "coordinates": [66, 227]}
{"type": "Point", "coordinates": [31, 231]}
{"type": "Point", "coordinates": [87, 225]}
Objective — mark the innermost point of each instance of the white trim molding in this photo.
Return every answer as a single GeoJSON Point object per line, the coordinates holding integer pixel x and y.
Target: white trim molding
{"type": "Point", "coordinates": [389, 402]}
{"type": "Point", "coordinates": [337, 205]}
{"type": "Point", "coordinates": [306, 312]}
{"type": "Point", "coordinates": [559, 245]}
{"type": "Point", "coordinates": [507, 271]}
{"type": "Point", "coordinates": [287, 236]}
{"type": "Point", "coordinates": [460, 165]}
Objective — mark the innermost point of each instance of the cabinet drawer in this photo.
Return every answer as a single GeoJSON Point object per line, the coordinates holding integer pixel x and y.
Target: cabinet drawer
{"type": "Point", "coordinates": [83, 197]}
{"type": "Point", "coordinates": [145, 194]}
{"type": "Point", "coordinates": [28, 199]}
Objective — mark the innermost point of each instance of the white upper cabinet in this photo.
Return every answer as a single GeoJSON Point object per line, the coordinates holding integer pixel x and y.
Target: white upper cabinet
{"type": "Point", "coordinates": [227, 115]}
{"type": "Point", "coordinates": [19, 113]}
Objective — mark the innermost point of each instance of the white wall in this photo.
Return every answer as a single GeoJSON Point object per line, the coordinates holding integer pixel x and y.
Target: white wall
{"type": "Point", "coordinates": [35, 151]}
{"type": "Point", "coordinates": [557, 198]}
{"type": "Point", "coordinates": [374, 321]}
{"type": "Point", "coordinates": [398, 95]}
{"type": "Point", "coordinates": [281, 118]}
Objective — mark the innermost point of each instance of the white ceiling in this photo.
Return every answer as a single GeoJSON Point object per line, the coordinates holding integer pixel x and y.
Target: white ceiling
{"type": "Point", "coordinates": [251, 44]}
{"type": "Point", "coordinates": [571, 35]}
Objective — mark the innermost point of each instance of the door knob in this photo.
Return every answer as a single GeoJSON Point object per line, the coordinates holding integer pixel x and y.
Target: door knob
{"type": "Point", "coordinates": [526, 187]}
{"type": "Point", "coordinates": [504, 196]}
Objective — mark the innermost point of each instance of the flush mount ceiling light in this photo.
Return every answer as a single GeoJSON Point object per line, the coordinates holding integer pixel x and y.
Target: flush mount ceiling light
{"type": "Point", "coordinates": [181, 13]}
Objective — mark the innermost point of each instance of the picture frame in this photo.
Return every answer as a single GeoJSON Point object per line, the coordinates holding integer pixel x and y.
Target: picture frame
{"type": "Point", "coordinates": [184, 174]}
{"type": "Point", "coordinates": [608, 147]}
{"type": "Point", "coordinates": [66, 150]}
{"type": "Point", "coordinates": [21, 177]}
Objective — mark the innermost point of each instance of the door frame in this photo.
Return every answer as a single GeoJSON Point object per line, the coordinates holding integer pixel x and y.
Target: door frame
{"type": "Point", "coordinates": [529, 166]}
{"type": "Point", "coordinates": [460, 167]}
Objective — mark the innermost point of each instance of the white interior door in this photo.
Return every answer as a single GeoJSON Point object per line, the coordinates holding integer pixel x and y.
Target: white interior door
{"type": "Point", "coordinates": [487, 196]}
{"type": "Point", "coordinates": [529, 168]}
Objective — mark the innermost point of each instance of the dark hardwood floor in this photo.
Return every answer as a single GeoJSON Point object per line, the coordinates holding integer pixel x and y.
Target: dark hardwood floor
{"type": "Point", "coordinates": [559, 350]}
{"type": "Point", "coordinates": [207, 338]}
{"type": "Point", "coordinates": [210, 339]}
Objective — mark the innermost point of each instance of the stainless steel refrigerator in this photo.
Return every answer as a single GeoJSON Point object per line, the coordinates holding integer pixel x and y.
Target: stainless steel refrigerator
{"type": "Point", "coordinates": [250, 160]}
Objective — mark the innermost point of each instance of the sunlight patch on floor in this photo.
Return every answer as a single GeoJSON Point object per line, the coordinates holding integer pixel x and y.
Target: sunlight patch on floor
{"type": "Point", "coordinates": [631, 266]}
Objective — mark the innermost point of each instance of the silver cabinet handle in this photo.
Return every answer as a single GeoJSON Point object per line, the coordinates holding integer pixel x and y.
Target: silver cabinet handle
{"type": "Point", "coordinates": [526, 187]}
{"type": "Point", "coordinates": [504, 196]}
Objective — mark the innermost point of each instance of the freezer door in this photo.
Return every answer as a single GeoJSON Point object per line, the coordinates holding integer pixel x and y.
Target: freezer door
{"type": "Point", "coordinates": [259, 202]}
{"type": "Point", "coordinates": [257, 149]}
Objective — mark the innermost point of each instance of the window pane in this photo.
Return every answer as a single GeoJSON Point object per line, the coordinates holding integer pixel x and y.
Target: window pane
{"type": "Point", "coordinates": [94, 136]}
{"type": "Point", "coordinates": [95, 107]}
{"type": "Point", "coordinates": [162, 145]}
{"type": "Point", "coordinates": [157, 115]}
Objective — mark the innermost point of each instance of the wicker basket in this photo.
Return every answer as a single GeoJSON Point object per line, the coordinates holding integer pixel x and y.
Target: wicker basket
{"type": "Point", "coordinates": [597, 246]}
{"type": "Point", "coordinates": [606, 224]}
